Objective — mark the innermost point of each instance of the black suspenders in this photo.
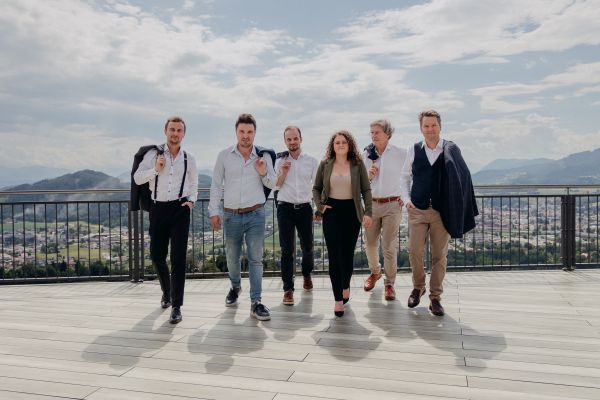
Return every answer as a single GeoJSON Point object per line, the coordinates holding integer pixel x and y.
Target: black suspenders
{"type": "Point", "coordinates": [182, 179]}
{"type": "Point", "coordinates": [184, 172]}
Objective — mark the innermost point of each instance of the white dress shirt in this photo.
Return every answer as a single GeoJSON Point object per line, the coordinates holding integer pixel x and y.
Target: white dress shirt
{"type": "Point", "coordinates": [169, 178]}
{"type": "Point", "coordinates": [237, 181]}
{"type": "Point", "coordinates": [390, 163]}
{"type": "Point", "coordinates": [297, 186]}
{"type": "Point", "coordinates": [406, 174]}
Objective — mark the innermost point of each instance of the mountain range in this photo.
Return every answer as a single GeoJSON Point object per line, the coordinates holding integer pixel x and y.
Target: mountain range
{"type": "Point", "coordinates": [577, 168]}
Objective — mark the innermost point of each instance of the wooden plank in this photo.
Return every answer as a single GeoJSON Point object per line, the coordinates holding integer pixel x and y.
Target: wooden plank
{"type": "Point", "coordinates": [40, 387]}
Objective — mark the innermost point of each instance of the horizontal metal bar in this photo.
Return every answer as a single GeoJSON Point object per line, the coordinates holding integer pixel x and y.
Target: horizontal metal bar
{"type": "Point", "coordinates": [206, 190]}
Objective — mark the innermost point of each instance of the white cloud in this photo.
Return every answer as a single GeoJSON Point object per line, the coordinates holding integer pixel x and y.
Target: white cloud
{"type": "Point", "coordinates": [102, 75]}
{"type": "Point", "coordinates": [494, 98]}
{"type": "Point", "coordinates": [526, 137]}
{"type": "Point", "coordinates": [188, 5]}
{"type": "Point", "coordinates": [71, 150]}
{"type": "Point", "coordinates": [443, 31]}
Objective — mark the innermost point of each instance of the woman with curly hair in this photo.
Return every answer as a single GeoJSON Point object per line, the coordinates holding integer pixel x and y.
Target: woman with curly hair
{"type": "Point", "coordinates": [340, 189]}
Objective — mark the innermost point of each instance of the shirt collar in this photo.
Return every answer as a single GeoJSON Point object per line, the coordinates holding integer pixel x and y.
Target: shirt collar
{"type": "Point", "coordinates": [439, 146]}
{"type": "Point", "coordinates": [166, 149]}
{"type": "Point", "coordinates": [234, 149]}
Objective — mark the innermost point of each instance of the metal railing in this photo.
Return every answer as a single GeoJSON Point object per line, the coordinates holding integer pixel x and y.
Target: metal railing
{"type": "Point", "coordinates": [90, 234]}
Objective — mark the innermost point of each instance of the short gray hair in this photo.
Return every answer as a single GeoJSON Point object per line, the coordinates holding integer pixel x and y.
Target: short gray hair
{"type": "Point", "coordinates": [385, 125]}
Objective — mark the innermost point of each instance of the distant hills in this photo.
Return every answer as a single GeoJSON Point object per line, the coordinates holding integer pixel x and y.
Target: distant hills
{"type": "Point", "coordinates": [86, 179]}
{"type": "Point", "coordinates": [578, 168]}
{"type": "Point", "coordinates": [509, 163]}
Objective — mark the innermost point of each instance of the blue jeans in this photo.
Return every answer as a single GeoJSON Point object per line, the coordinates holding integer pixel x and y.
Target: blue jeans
{"type": "Point", "coordinates": [251, 228]}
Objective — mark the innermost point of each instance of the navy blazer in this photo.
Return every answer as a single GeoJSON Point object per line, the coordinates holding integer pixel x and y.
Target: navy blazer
{"type": "Point", "coordinates": [459, 206]}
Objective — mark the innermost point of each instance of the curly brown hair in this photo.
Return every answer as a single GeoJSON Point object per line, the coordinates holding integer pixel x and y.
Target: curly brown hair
{"type": "Point", "coordinates": [353, 154]}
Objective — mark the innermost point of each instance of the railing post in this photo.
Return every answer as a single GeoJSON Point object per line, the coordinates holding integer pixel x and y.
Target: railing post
{"type": "Point", "coordinates": [135, 274]}
{"type": "Point", "coordinates": [130, 243]}
{"type": "Point", "coordinates": [567, 232]}
{"type": "Point", "coordinates": [141, 265]}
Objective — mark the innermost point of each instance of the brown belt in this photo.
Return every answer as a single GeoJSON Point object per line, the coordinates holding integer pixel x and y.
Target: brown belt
{"type": "Point", "coordinates": [242, 210]}
{"type": "Point", "coordinates": [387, 199]}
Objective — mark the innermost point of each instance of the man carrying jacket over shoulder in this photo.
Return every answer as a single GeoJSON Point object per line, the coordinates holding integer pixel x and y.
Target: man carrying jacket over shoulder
{"type": "Point", "coordinates": [438, 193]}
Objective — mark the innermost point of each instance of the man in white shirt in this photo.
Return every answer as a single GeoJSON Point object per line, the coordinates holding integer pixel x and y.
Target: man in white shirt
{"type": "Point", "coordinates": [173, 181]}
{"type": "Point", "coordinates": [295, 176]}
{"type": "Point", "coordinates": [383, 161]}
{"type": "Point", "coordinates": [421, 181]}
{"type": "Point", "coordinates": [238, 178]}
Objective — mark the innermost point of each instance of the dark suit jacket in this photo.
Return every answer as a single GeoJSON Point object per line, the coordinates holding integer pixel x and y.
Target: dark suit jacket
{"type": "Point", "coordinates": [361, 187]}
{"type": "Point", "coordinates": [459, 207]}
{"type": "Point", "coordinates": [136, 191]}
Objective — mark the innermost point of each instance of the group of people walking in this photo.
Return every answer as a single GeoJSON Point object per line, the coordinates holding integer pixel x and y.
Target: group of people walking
{"type": "Point", "coordinates": [348, 188]}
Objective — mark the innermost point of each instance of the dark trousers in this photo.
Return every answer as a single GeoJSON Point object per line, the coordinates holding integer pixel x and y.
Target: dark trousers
{"type": "Point", "coordinates": [340, 228]}
{"type": "Point", "coordinates": [290, 219]}
{"type": "Point", "coordinates": [170, 221]}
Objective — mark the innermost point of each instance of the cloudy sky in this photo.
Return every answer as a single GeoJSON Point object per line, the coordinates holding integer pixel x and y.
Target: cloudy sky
{"type": "Point", "coordinates": [84, 83]}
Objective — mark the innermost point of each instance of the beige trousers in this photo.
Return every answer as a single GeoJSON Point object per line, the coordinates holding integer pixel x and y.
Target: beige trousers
{"type": "Point", "coordinates": [386, 222]}
{"type": "Point", "coordinates": [420, 224]}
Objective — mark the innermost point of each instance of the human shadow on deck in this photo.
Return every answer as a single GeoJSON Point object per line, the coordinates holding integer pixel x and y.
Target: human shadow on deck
{"type": "Point", "coordinates": [122, 349]}
{"type": "Point", "coordinates": [287, 320]}
{"type": "Point", "coordinates": [420, 332]}
{"type": "Point", "coordinates": [344, 342]}
{"type": "Point", "coordinates": [228, 338]}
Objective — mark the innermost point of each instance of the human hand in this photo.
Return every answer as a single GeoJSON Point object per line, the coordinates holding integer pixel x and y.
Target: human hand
{"type": "Point", "coordinates": [373, 171]}
{"type": "Point", "coordinates": [285, 167]}
{"type": "Point", "coordinates": [215, 221]}
{"type": "Point", "coordinates": [160, 163]}
{"type": "Point", "coordinates": [319, 216]}
{"type": "Point", "coordinates": [261, 166]}
{"type": "Point", "coordinates": [410, 205]}
{"type": "Point", "coordinates": [367, 221]}
{"type": "Point", "coordinates": [188, 204]}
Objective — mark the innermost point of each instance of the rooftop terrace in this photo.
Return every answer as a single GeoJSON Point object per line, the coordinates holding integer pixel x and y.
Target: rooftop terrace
{"type": "Point", "coordinates": [506, 335]}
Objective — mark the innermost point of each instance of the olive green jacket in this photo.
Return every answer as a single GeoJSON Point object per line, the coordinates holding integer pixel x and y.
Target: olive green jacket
{"type": "Point", "coordinates": [361, 187]}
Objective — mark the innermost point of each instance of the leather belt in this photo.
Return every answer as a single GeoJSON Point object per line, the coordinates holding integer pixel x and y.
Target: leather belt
{"type": "Point", "coordinates": [295, 206]}
{"type": "Point", "coordinates": [242, 210]}
{"type": "Point", "coordinates": [386, 199]}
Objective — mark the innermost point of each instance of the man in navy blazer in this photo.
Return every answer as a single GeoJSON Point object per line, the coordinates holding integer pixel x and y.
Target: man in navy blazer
{"type": "Point", "coordinates": [437, 190]}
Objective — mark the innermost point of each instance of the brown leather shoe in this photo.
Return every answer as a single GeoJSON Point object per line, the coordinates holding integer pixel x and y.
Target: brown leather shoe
{"type": "Point", "coordinates": [415, 297]}
{"type": "Point", "coordinates": [308, 285]}
{"type": "Point", "coordinates": [371, 280]}
{"type": "Point", "coordinates": [288, 297]}
{"type": "Point", "coordinates": [389, 293]}
{"type": "Point", "coordinates": [436, 308]}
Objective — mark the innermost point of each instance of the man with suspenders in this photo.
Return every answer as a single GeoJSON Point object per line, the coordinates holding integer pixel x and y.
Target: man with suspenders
{"type": "Point", "coordinates": [173, 178]}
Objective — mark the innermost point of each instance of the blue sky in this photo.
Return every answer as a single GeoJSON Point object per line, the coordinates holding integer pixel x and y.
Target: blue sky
{"type": "Point", "coordinates": [83, 84]}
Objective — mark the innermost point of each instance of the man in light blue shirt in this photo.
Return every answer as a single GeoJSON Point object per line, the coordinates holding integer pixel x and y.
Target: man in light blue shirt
{"type": "Point", "coordinates": [238, 178]}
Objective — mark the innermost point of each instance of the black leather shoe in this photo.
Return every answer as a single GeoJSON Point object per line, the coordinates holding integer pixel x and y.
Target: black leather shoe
{"type": "Point", "coordinates": [165, 302]}
{"type": "Point", "coordinates": [415, 297]}
{"type": "Point", "coordinates": [339, 314]}
{"type": "Point", "coordinates": [175, 315]}
{"type": "Point", "coordinates": [436, 308]}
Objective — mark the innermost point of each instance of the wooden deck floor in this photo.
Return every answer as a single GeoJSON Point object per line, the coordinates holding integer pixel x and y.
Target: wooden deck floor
{"type": "Point", "coordinates": [506, 335]}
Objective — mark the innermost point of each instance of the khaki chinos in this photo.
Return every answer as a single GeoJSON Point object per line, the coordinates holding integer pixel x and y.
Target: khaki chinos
{"type": "Point", "coordinates": [385, 226]}
{"type": "Point", "coordinates": [420, 224]}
